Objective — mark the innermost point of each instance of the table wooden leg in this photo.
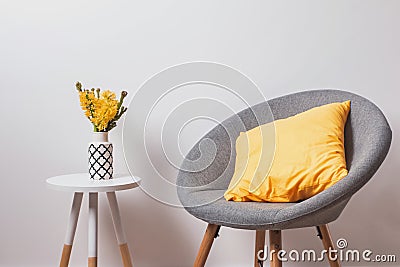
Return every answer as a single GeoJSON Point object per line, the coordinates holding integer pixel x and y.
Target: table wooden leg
{"type": "Point", "coordinates": [71, 229]}
{"type": "Point", "coordinates": [119, 232]}
{"type": "Point", "coordinates": [92, 229]}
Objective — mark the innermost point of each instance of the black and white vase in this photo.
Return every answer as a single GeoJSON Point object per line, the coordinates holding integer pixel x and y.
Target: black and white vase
{"type": "Point", "coordinates": [100, 154]}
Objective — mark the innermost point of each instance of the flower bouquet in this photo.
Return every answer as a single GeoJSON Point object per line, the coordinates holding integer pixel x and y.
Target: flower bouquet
{"type": "Point", "coordinates": [103, 110]}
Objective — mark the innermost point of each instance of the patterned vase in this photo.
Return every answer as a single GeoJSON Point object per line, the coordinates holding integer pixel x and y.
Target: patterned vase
{"type": "Point", "coordinates": [100, 157]}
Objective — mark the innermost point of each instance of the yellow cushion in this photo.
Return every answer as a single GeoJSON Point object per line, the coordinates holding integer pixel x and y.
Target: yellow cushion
{"type": "Point", "coordinates": [309, 156]}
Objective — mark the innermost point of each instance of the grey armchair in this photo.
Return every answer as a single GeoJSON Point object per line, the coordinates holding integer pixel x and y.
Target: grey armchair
{"type": "Point", "coordinates": [367, 141]}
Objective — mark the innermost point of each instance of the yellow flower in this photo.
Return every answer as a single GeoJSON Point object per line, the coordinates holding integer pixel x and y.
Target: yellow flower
{"type": "Point", "coordinates": [101, 109]}
{"type": "Point", "coordinates": [104, 110]}
{"type": "Point", "coordinates": [108, 95]}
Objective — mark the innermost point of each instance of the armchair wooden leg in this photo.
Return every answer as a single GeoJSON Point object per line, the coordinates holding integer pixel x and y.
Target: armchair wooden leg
{"type": "Point", "coordinates": [275, 243]}
{"type": "Point", "coordinates": [205, 247]}
{"type": "Point", "coordinates": [260, 243]}
{"type": "Point", "coordinates": [326, 238]}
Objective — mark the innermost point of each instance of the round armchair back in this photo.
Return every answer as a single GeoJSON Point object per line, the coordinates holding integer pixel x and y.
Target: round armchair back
{"type": "Point", "coordinates": [209, 165]}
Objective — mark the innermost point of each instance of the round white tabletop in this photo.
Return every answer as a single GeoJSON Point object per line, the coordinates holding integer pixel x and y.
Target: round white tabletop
{"type": "Point", "coordinates": [80, 182]}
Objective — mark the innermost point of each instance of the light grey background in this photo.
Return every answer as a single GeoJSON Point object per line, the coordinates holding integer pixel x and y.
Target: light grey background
{"type": "Point", "coordinates": [284, 46]}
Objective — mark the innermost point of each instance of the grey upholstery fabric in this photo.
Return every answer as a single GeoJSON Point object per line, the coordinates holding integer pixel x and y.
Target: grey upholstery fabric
{"type": "Point", "coordinates": [367, 141]}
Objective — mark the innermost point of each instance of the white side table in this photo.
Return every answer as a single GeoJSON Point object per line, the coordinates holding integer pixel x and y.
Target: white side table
{"type": "Point", "coordinates": [80, 184]}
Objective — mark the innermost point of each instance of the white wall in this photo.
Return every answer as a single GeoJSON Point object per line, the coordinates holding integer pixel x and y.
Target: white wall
{"type": "Point", "coordinates": [284, 46]}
